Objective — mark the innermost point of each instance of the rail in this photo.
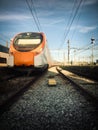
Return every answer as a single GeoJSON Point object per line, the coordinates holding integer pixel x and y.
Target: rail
{"type": "Point", "coordinates": [89, 96]}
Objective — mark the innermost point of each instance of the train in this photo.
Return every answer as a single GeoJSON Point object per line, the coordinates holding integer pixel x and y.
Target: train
{"type": "Point", "coordinates": [29, 49]}
{"type": "Point", "coordinates": [3, 55]}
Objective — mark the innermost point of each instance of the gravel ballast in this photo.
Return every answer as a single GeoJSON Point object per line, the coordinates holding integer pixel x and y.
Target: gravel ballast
{"type": "Point", "coordinates": [45, 107]}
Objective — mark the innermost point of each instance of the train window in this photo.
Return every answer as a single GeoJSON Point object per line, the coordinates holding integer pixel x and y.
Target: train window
{"type": "Point", "coordinates": [27, 41]}
{"type": "Point", "coordinates": [24, 42]}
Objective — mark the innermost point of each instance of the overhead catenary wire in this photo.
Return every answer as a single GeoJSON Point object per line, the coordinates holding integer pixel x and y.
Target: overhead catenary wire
{"type": "Point", "coordinates": [73, 19]}
{"type": "Point", "coordinates": [4, 40]}
{"type": "Point", "coordinates": [85, 48]}
{"type": "Point", "coordinates": [35, 17]}
{"type": "Point", "coordinates": [3, 37]}
{"type": "Point", "coordinates": [72, 11]}
{"type": "Point", "coordinates": [68, 30]}
{"type": "Point", "coordinates": [78, 18]}
{"type": "Point", "coordinates": [32, 3]}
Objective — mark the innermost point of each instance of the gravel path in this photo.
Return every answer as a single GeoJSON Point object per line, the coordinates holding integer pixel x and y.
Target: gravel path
{"type": "Point", "coordinates": [44, 107]}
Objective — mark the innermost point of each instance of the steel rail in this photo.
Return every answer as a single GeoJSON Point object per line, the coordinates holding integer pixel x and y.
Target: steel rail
{"type": "Point", "coordinates": [88, 95]}
{"type": "Point", "coordinates": [5, 106]}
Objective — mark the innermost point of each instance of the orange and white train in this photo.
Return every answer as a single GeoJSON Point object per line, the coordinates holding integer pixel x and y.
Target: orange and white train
{"type": "Point", "coordinates": [29, 49]}
{"type": "Point", "coordinates": [3, 55]}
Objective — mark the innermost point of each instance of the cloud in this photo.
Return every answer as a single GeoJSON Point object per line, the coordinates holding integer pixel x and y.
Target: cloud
{"type": "Point", "coordinates": [56, 22]}
{"type": "Point", "coordinates": [50, 22]}
{"type": "Point", "coordinates": [86, 29]}
{"type": "Point", "coordinates": [45, 13]}
{"type": "Point", "coordinates": [7, 17]}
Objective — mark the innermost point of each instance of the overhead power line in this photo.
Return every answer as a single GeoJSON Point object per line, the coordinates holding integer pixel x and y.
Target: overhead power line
{"type": "Point", "coordinates": [74, 4]}
{"type": "Point", "coordinates": [85, 48]}
{"type": "Point", "coordinates": [3, 39]}
{"type": "Point", "coordinates": [32, 3]}
{"type": "Point", "coordinates": [82, 5]}
{"type": "Point", "coordinates": [68, 30]}
{"type": "Point", "coordinates": [33, 13]}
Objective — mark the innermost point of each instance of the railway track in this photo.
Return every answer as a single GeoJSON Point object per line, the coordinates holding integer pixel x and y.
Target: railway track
{"type": "Point", "coordinates": [14, 86]}
{"type": "Point", "coordinates": [47, 107]}
{"type": "Point", "coordinates": [87, 87]}
{"type": "Point", "coordinates": [7, 73]}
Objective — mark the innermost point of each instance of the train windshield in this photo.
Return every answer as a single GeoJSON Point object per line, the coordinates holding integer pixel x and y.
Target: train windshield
{"type": "Point", "coordinates": [27, 41]}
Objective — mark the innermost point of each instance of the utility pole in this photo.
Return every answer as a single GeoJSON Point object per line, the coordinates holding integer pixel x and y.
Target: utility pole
{"type": "Point", "coordinates": [64, 57]}
{"type": "Point", "coordinates": [7, 44]}
{"type": "Point", "coordinates": [74, 56]}
{"type": "Point", "coordinates": [68, 50]}
{"type": "Point", "coordinates": [92, 42]}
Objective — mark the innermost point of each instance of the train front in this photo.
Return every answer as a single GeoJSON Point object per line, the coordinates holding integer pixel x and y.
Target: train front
{"type": "Point", "coordinates": [27, 49]}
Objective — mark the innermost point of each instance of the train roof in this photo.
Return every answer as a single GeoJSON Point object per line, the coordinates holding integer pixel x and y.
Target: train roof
{"type": "Point", "coordinates": [4, 49]}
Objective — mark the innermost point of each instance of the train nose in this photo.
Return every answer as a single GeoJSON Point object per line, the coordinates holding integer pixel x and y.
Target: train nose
{"type": "Point", "coordinates": [25, 59]}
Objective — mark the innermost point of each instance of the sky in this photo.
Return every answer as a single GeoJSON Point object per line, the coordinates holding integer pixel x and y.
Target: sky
{"type": "Point", "coordinates": [60, 20]}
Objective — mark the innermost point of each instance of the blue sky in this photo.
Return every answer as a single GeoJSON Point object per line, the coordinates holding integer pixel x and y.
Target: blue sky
{"type": "Point", "coordinates": [55, 17]}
